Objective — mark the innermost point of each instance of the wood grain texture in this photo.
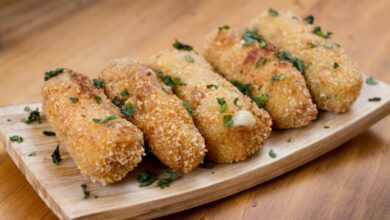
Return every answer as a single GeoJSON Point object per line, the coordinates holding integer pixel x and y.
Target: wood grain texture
{"type": "Point", "coordinates": [350, 182]}
{"type": "Point", "coordinates": [59, 186]}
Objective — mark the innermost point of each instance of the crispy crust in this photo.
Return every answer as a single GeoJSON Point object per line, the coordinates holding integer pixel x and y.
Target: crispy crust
{"type": "Point", "coordinates": [333, 89]}
{"type": "Point", "coordinates": [224, 144]}
{"type": "Point", "coordinates": [103, 152]}
{"type": "Point", "coordinates": [289, 102]}
{"type": "Point", "coordinates": [168, 127]}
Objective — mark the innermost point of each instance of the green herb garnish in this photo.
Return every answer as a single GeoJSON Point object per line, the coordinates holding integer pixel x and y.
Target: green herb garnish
{"type": "Point", "coordinates": [187, 107]}
{"type": "Point", "coordinates": [261, 100]}
{"type": "Point", "coordinates": [49, 133]}
{"type": "Point", "coordinates": [311, 45]}
{"type": "Point", "coordinates": [53, 73]}
{"type": "Point", "coordinates": [289, 58]}
{"type": "Point", "coordinates": [98, 99]}
{"type": "Point", "coordinates": [209, 86]}
{"type": "Point", "coordinates": [336, 65]}
{"type": "Point", "coordinates": [251, 38]}
{"type": "Point", "coordinates": [98, 83]}
{"type": "Point", "coordinates": [273, 12]}
{"type": "Point", "coordinates": [371, 81]}
{"type": "Point", "coordinates": [207, 164]}
{"type": "Point", "coordinates": [16, 138]}
{"type": "Point", "coordinates": [324, 34]}
{"type": "Point", "coordinates": [56, 156]}
{"type": "Point", "coordinates": [235, 103]}
{"type": "Point", "coordinates": [244, 88]}
{"type": "Point", "coordinates": [278, 77]}
{"type": "Point", "coordinates": [374, 99]}
{"type": "Point", "coordinates": [73, 99]}
{"type": "Point", "coordinates": [117, 101]}
{"type": "Point", "coordinates": [181, 46]}
{"type": "Point", "coordinates": [189, 58]}
{"type": "Point", "coordinates": [261, 61]}
{"type": "Point", "coordinates": [129, 109]}
{"type": "Point", "coordinates": [146, 178]}
{"type": "Point", "coordinates": [104, 120]}
{"type": "Point", "coordinates": [227, 120]}
{"type": "Point", "coordinates": [223, 105]}
{"type": "Point", "coordinates": [85, 191]}
{"type": "Point", "coordinates": [166, 178]}
{"type": "Point", "coordinates": [33, 117]}
{"type": "Point", "coordinates": [125, 94]}
{"type": "Point", "coordinates": [309, 19]}
{"type": "Point", "coordinates": [32, 154]}
{"type": "Point", "coordinates": [222, 28]}
{"type": "Point", "coordinates": [272, 154]}
{"type": "Point", "coordinates": [172, 82]}
{"type": "Point", "coordinates": [328, 45]}
{"type": "Point", "coordinates": [326, 127]}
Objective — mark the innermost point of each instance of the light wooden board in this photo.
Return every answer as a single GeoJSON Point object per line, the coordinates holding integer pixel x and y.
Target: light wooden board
{"type": "Point", "coordinates": [59, 186]}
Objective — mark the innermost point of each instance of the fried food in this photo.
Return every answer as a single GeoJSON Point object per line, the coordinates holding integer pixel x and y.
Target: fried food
{"type": "Point", "coordinates": [275, 84]}
{"type": "Point", "coordinates": [233, 127]}
{"type": "Point", "coordinates": [168, 127]}
{"type": "Point", "coordinates": [331, 76]}
{"type": "Point", "coordinates": [104, 146]}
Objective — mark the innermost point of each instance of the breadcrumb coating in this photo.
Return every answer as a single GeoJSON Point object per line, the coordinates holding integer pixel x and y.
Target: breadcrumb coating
{"type": "Point", "coordinates": [288, 101]}
{"type": "Point", "coordinates": [331, 76]}
{"type": "Point", "coordinates": [233, 127]}
{"type": "Point", "coordinates": [168, 127]}
{"type": "Point", "coordinates": [104, 152]}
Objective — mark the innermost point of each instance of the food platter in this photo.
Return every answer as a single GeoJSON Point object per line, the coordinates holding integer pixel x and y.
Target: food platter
{"type": "Point", "coordinates": [59, 186]}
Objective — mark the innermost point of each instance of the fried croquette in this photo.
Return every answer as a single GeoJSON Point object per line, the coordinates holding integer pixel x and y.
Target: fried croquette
{"type": "Point", "coordinates": [233, 127]}
{"type": "Point", "coordinates": [331, 76]}
{"type": "Point", "coordinates": [168, 127]}
{"type": "Point", "coordinates": [104, 146]}
{"type": "Point", "coordinates": [274, 84]}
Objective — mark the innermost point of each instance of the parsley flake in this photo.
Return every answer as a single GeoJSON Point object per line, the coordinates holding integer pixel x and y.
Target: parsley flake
{"type": "Point", "coordinates": [32, 154]}
{"type": "Point", "coordinates": [227, 120]}
{"type": "Point", "coordinates": [309, 19]}
{"type": "Point", "coordinates": [181, 46]}
{"type": "Point", "coordinates": [125, 94]}
{"type": "Point", "coordinates": [251, 38]}
{"type": "Point", "coordinates": [104, 120]}
{"type": "Point", "coordinates": [261, 61]}
{"type": "Point", "coordinates": [260, 100]}
{"type": "Point", "coordinates": [209, 86]}
{"type": "Point", "coordinates": [129, 109]}
{"type": "Point", "coordinates": [328, 45]}
{"type": "Point", "coordinates": [16, 138]}
{"type": "Point", "coordinates": [289, 58]}
{"type": "Point", "coordinates": [172, 82]}
{"type": "Point", "coordinates": [223, 105]}
{"type": "Point", "coordinates": [56, 156]}
{"type": "Point", "coordinates": [371, 81]}
{"type": "Point", "coordinates": [166, 178]}
{"type": "Point", "coordinates": [73, 99]}
{"type": "Point", "coordinates": [85, 191]}
{"type": "Point", "coordinates": [222, 28]}
{"type": "Point", "coordinates": [374, 99]}
{"type": "Point", "coordinates": [336, 65]}
{"type": "Point", "coordinates": [244, 88]}
{"type": "Point", "coordinates": [278, 77]}
{"type": "Point", "coordinates": [117, 101]}
{"type": "Point", "coordinates": [235, 103]}
{"type": "Point", "coordinates": [326, 127]}
{"type": "Point", "coordinates": [324, 34]}
{"type": "Point", "coordinates": [53, 73]}
{"type": "Point", "coordinates": [187, 107]}
{"type": "Point", "coordinates": [98, 83]}
{"type": "Point", "coordinates": [146, 178]}
{"type": "Point", "coordinates": [33, 117]}
{"type": "Point", "coordinates": [188, 58]}
{"type": "Point", "coordinates": [273, 12]}
{"type": "Point", "coordinates": [49, 133]}
{"type": "Point", "coordinates": [98, 99]}
{"type": "Point", "coordinates": [272, 154]}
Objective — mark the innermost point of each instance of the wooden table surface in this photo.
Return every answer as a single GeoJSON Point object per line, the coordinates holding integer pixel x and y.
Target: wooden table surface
{"type": "Point", "coordinates": [351, 182]}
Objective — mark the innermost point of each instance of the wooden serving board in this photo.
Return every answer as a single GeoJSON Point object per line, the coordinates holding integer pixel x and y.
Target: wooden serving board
{"type": "Point", "coordinates": [59, 186]}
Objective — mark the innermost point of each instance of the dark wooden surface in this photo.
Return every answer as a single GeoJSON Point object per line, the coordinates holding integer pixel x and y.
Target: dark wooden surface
{"type": "Point", "coordinates": [351, 182]}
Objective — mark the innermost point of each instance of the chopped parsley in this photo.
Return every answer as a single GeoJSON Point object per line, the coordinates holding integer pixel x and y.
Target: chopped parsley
{"type": "Point", "coordinates": [260, 100]}
{"type": "Point", "coordinates": [326, 127]}
{"type": "Point", "coordinates": [272, 154]}
{"type": "Point", "coordinates": [222, 28]}
{"type": "Point", "coordinates": [53, 73]}
{"type": "Point", "coordinates": [98, 83]}
{"type": "Point", "coordinates": [207, 164]}
{"type": "Point", "coordinates": [129, 109]}
{"type": "Point", "coordinates": [117, 101]}
{"type": "Point", "coordinates": [173, 82]}
{"type": "Point", "coordinates": [374, 99]}
{"type": "Point", "coordinates": [235, 103]}
{"type": "Point", "coordinates": [73, 99]}
{"type": "Point", "coordinates": [309, 19]}
{"type": "Point", "coordinates": [251, 38]}
{"type": "Point", "coordinates": [32, 154]}
{"type": "Point", "coordinates": [336, 65]}
{"type": "Point", "coordinates": [166, 178]}
{"type": "Point", "coordinates": [16, 138]}
{"type": "Point", "coordinates": [104, 120]}
{"type": "Point", "coordinates": [187, 107]}
{"type": "Point", "coordinates": [33, 117]}
{"type": "Point", "coordinates": [146, 178]}
{"type": "Point", "coordinates": [273, 12]}
{"type": "Point", "coordinates": [98, 99]}
{"type": "Point", "coordinates": [125, 94]}
{"type": "Point", "coordinates": [227, 120]}
{"type": "Point", "coordinates": [371, 81]}
{"type": "Point", "coordinates": [56, 156]}
{"type": "Point", "coordinates": [261, 61]}
{"type": "Point", "coordinates": [85, 191]}
{"type": "Point", "coordinates": [49, 133]}
{"type": "Point", "coordinates": [324, 34]}
{"type": "Point", "coordinates": [209, 86]}
{"type": "Point", "coordinates": [289, 58]}
{"type": "Point", "coordinates": [278, 77]}
{"type": "Point", "coordinates": [223, 105]}
{"type": "Point", "coordinates": [328, 45]}
{"type": "Point", "coordinates": [311, 45]}
{"type": "Point", "coordinates": [181, 46]}
{"type": "Point", "coordinates": [244, 88]}
{"type": "Point", "coordinates": [189, 58]}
